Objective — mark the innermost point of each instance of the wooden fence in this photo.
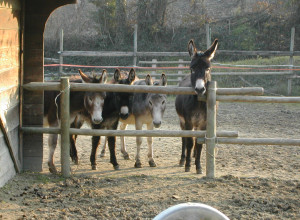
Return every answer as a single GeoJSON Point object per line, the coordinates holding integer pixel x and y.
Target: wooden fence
{"type": "Point", "coordinates": [210, 136]}
{"type": "Point", "coordinates": [135, 54]}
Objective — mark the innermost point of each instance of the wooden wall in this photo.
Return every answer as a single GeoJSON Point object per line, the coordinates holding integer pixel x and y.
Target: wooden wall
{"type": "Point", "coordinates": [10, 67]}
{"type": "Point", "coordinates": [22, 24]}
{"type": "Point", "coordinates": [36, 13]}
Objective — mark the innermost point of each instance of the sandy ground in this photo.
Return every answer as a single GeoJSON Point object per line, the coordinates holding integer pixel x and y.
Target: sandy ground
{"type": "Point", "coordinates": [253, 182]}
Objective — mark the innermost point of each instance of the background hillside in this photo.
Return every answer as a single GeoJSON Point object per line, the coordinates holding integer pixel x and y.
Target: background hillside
{"type": "Point", "coordinates": [167, 25]}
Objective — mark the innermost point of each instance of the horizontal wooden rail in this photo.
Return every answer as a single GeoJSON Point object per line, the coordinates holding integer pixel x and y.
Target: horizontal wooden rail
{"type": "Point", "coordinates": [262, 99]}
{"type": "Point", "coordinates": [36, 86]}
{"type": "Point", "coordinates": [143, 74]}
{"type": "Point", "coordinates": [130, 133]}
{"type": "Point", "coordinates": [173, 54]}
{"type": "Point", "coordinates": [255, 141]}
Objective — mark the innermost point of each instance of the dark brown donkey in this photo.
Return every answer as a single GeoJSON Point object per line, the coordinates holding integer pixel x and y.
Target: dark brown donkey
{"type": "Point", "coordinates": [89, 105]}
{"type": "Point", "coordinates": [191, 112]}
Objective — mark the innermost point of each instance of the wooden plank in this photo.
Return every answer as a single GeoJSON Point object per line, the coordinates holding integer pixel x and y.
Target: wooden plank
{"type": "Point", "coordinates": [175, 54]}
{"type": "Point", "coordinates": [11, 117]}
{"type": "Point", "coordinates": [9, 77]}
{"type": "Point", "coordinates": [7, 170]}
{"type": "Point", "coordinates": [33, 97]}
{"type": "Point", "coordinates": [97, 53]}
{"type": "Point", "coordinates": [32, 114]}
{"type": "Point", "coordinates": [9, 19]}
{"type": "Point", "coordinates": [4, 129]}
{"type": "Point", "coordinates": [131, 133]}
{"type": "Point", "coordinates": [262, 99]}
{"type": "Point", "coordinates": [256, 53]}
{"type": "Point", "coordinates": [33, 140]}
{"type": "Point", "coordinates": [9, 97]}
{"type": "Point", "coordinates": [211, 129]}
{"type": "Point", "coordinates": [33, 163]}
{"type": "Point", "coordinates": [9, 38]}
{"type": "Point", "coordinates": [9, 57]}
{"type": "Point", "coordinates": [259, 141]}
{"type": "Point", "coordinates": [149, 89]}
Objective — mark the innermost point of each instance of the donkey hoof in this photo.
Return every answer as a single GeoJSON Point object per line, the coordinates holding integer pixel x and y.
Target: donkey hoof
{"type": "Point", "coordinates": [102, 154]}
{"type": "Point", "coordinates": [94, 167]}
{"type": "Point", "coordinates": [152, 163]}
{"type": "Point", "coordinates": [138, 165]}
{"type": "Point", "coordinates": [181, 163]}
{"type": "Point", "coordinates": [117, 167]}
{"type": "Point", "coordinates": [199, 171]}
{"type": "Point", "coordinates": [53, 170]}
{"type": "Point", "coordinates": [76, 161]}
{"type": "Point", "coordinates": [126, 156]}
{"type": "Point", "coordinates": [187, 169]}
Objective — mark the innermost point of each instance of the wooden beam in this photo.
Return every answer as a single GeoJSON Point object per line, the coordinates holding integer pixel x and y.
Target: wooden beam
{"type": "Point", "coordinates": [8, 144]}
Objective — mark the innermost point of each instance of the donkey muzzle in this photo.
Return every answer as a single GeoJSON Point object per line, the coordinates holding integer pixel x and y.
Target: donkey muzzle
{"type": "Point", "coordinates": [157, 124]}
{"type": "Point", "coordinates": [200, 87]}
{"type": "Point", "coordinates": [124, 112]}
{"type": "Point", "coordinates": [200, 91]}
{"type": "Point", "coordinates": [97, 120]}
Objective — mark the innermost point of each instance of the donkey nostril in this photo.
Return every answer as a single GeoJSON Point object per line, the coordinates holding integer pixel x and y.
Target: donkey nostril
{"type": "Point", "coordinates": [97, 121]}
{"type": "Point", "coordinates": [157, 124]}
{"type": "Point", "coordinates": [200, 91]}
{"type": "Point", "coordinates": [124, 116]}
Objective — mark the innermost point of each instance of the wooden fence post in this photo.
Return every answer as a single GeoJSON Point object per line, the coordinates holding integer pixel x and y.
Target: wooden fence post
{"type": "Point", "coordinates": [61, 49]}
{"type": "Point", "coordinates": [211, 129]}
{"type": "Point", "coordinates": [180, 71]}
{"type": "Point", "coordinates": [291, 62]}
{"type": "Point", "coordinates": [154, 65]}
{"type": "Point", "coordinates": [65, 126]}
{"type": "Point", "coordinates": [208, 35]}
{"type": "Point", "coordinates": [135, 45]}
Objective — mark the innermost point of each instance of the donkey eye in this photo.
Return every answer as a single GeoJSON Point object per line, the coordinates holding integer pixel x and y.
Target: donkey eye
{"type": "Point", "coordinates": [163, 102]}
{"type": "Point", "coordinates": [150, 103]}
{"type": "Point", "coordinates": [90, 98]}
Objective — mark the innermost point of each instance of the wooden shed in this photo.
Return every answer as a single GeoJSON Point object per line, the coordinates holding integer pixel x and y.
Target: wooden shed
{"type": "Point", "coordinates": [22, 24]}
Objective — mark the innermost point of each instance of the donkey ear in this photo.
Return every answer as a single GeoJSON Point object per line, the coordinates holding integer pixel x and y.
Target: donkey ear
{"type": "Point", "coordinates": [210, 52]}
{"type": "Point", "coordinates": [192, 48]}
{"type": "Point", "coordinates": [163, 80]}
{"type": "Point", "coordinates": [148, 80]}
{"type": "Point", "coordinates": [131, 76]}
{"type": "Point", "coordinates": [84, 77]}
{"type": "Point", "coordinates": [103, 77]}
{"type": "Point", "coordinates": [117, 75]}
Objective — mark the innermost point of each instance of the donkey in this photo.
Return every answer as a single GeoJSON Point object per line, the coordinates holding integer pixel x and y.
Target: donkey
{"type": "Point", "coordinates": [88, 104]}
{"type": "Point", "coordinates": [147, 108]}
{"type": "Point", "coordinates": [116, 106]}
{"type": "Point", "coordinates": [191, 112]}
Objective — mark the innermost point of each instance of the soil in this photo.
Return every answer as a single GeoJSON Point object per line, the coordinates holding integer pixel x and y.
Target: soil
{"type": "Point", "coordinates": [253, 182]}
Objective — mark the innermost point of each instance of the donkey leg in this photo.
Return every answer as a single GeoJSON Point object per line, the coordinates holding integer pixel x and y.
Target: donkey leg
{"type": "Point", "coordinates": [138, 126]}
{"type": "Point", "coordinates": [73, 150]}
{"type": "Point", "coordinates": [123, 146]}
{"type": "Point", "coordinates": [112, 150]}
{"type": "Point", "coordinates": [150, 147]}
{"type": "Point", "coordinates": [77, 123]}
{"type": "Point", "coordinates": [189, 147]}
{"type": "Point", "coordinates": [102, 154]}
{"type": "Point", "coordinates": [198, 155]}
{"type": "Point", "coordinates": [95, 144]}
{"type": "Point", "coordinates": [183, 143]}
{"type": "Point", "coordinates": [52, 142]}
{"type": "Point", "coordinates": [183, 149]}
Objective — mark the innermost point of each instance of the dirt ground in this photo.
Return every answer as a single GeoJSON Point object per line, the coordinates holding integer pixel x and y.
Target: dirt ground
{"type": "Point", "coordinates": [253, 182]}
